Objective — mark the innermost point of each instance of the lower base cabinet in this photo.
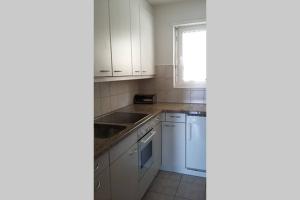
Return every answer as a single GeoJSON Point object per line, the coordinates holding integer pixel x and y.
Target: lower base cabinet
{"type": "Point", "coordinates": [124, 176]}
{"type": "Point", "coordinates": [157, 148]}
{"type": "Point", "coordinates": [102, 185]}
{"type": "Point", "coordinates": [173, 148]}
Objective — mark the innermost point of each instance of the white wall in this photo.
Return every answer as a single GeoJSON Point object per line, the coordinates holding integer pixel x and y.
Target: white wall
{"type": "Point", "coordinates": [165, 16]}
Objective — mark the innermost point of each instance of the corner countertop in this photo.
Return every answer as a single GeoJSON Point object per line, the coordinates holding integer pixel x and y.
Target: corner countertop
{"type": "Point", "coordinates": [102, 145]}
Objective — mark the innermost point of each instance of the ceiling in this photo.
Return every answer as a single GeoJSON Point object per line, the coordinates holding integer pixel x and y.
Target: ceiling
{"type": "Point", "coordinates": [157, 2]}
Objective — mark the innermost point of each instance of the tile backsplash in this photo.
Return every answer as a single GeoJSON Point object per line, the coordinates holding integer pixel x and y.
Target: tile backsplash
{"type": "Point", "coordinates": [162, 85]}
{"type": "Point", "coordinates": [109, 96]}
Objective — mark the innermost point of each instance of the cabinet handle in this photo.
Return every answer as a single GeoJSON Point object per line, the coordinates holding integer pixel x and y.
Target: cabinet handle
{"type": "Point", "coordinates": [136, 71]}
{"type": "Point", "coordinates": [97, 167]}
{"type": "Point", "coordinates": [144, 71]}
{"type": "Point", "coordinates": [145, 141]}
{"type": "Point", "coordinates": [117, 71]}
{"type": "Point", "coordinates": [104, 71]}
{"type": "Point", "coordinates": [98, 185]}
{"type": "Point", "coordinates": [175, 117]}
{"type": "Point", "coordinates": [99, 164]}
{"type": "Point", "coordinates": [133, 152]}
{"type": "Point", "coordinates": [169, 125]}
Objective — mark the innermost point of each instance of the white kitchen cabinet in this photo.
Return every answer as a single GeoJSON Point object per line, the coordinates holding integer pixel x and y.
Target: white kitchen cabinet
{"type": "Point", "coordinates": [147, 39]}
{"type": "Point", "coordinates": [135, 37]}
{"type": "Point", "coordinates": [157, 147]}
{"type": "Point", "coordinates": [102, 50]}
{"type": "Point", "coordinates": [195, 143]}
{"type": "Point", "coordinates": [124, 176]}
{"type": "Point", "coordinates": [101, 163]}
{"type": "Point", "coordinates": [173, 146]}
{"type": "Point", "coordinates": [124, 39]}
{"type": "Point", "coordinates": [102, 185]}
{"type": "Point", "coordinates": [120, 37]}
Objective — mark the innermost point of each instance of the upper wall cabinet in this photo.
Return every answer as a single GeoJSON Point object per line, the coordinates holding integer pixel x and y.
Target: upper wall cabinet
{"type": "Point", "coordinates": [147, 39]}
{"type": "Point", "coordinates": [102, 57]}
{"type": "Point", "coordinates": [120, 37]}
{"type": "Point", "coordinates": [123, 40]}
{"type": "Point", "coordinates": [135, 37]}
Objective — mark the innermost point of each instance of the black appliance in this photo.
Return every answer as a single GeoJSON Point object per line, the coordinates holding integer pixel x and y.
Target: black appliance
{"type": "Point", "coordinates": [145, 99]}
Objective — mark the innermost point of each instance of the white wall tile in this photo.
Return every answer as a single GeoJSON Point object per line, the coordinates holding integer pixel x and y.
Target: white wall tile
{"type": "Point", "coordinates": [104, 89]}
{"type": "Point", "coordinates": [109, 96]}
{"type": "Point", "coordinates": [163, 87]}
{"type": "Point", "coordinates": [197, 96]}
{"type": "Point", "coordinates": [105, 105]}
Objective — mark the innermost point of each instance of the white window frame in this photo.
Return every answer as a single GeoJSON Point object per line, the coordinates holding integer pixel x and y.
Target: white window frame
{"type": "Point", "coordinates": [177, 83]}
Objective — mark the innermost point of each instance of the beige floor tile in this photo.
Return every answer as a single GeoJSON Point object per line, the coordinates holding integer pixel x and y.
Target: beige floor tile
{"type": "Point", "coordinates": [157, 196]}
{"type": "Point", "coordinates": [193, 179]}
{"type": "Point", "coordinates": [180, 198]}
{"type": "Point", "coordinates": [191, 191]}
{"type": "Point", "coordinates": [169, 175]}
{"type": "Point", "coordinates": [164, 186]}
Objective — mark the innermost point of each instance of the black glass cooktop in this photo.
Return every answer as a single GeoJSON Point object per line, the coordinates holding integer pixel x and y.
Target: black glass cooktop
{"type": "Point", "coordinates": [122, 118]}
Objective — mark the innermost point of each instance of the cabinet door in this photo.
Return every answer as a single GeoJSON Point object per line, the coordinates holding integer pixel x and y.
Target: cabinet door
{"type": "Point", "coordinates": [157, 148]}
{"type": "Point", "coordinates": [173, 148]}
{"type": "Point", "coordinates": [102, 186]}
{"type": "Point", "coordinates": [124, 176]}
{"type": "Point", "coordinates": [195, 143]}
{"type": "Point", "coordinates": [120, 37]}
{"type": "Point", "coordinates": [147, 39]}
{"type": "Point", "coordinates": [135, 37]}
{"type": "Point", "coordinates": [102, 51]}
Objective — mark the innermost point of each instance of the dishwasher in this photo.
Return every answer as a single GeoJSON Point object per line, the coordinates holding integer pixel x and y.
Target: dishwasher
{"type": "Point", "coordinates": [196, 141]}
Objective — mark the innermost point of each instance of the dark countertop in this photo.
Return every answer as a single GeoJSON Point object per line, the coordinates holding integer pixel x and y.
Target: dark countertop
{"type": "Point", "coordinates": [102, 145]}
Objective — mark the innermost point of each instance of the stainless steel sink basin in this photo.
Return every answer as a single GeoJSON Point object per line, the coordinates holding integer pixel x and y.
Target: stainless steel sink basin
{"type": "Point", "coordinates": [122, 118]}
{"type": "Point", "coordinates": [107, 130]}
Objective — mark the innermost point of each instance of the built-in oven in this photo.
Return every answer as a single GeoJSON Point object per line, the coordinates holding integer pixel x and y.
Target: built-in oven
{"type": "Point", "coordinates": [145, 146]}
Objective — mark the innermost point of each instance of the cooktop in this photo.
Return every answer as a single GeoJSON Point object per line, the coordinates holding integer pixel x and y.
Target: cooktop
{"type": "Point", "coordinates": [121, 118]}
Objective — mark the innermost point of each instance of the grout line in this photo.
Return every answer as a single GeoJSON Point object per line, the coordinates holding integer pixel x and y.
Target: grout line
{"type": "Point", "coordinates": [178, 186]}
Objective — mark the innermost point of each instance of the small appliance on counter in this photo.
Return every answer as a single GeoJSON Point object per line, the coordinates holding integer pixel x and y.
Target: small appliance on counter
{"type": "Point", "coordinates": [145, 99]}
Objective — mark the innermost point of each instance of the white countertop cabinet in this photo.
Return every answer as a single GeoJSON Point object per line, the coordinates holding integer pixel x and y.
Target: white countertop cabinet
{"type": "Point", "coordinates": [124, 175]}
{"type": "Point", "coordinates": [102, 178]}
{"type": "Point", "coordinates": [173, 146]}
{"type": "Point", "coordinates": [184, 144]}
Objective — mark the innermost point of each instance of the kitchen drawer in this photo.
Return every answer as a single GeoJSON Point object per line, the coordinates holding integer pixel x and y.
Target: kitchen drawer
{"type": "Point", "coordinates": [123, 146]}
{"type": "Point", "coordinates": [102, 186]}
{"type": "Point", "coordinates": [175, 117]}
{"type": "Point", "coordinates": [101, 163]}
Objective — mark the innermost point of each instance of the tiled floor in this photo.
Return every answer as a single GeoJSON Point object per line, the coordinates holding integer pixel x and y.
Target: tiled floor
{"type": "Point", "coordinates": [174, 186]}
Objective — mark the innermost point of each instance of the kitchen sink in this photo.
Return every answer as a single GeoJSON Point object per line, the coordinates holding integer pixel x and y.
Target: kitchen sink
{"type": "Point", "coordinates": [122, 118]}
{"type": "Point", "coordinates": [107, 130]}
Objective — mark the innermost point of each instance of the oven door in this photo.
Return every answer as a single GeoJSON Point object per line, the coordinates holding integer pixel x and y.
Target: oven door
{"type": "Point", "coordinates": [146, 153]}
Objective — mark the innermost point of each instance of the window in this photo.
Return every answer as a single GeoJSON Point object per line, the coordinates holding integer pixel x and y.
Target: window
{"type": "Point", "coordinates": [190, 56]}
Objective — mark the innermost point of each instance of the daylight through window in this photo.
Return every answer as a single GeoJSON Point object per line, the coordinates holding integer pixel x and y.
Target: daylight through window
{"type": "Point", "coordinates": [190, 56]}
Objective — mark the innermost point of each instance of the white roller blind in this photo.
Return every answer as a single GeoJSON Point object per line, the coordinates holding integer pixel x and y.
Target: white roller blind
{"type": "Point", "coordinates": [190, 56]}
